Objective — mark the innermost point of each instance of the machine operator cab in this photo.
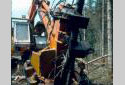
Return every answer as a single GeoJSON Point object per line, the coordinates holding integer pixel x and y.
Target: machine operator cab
{"type": "Point", "coordinates": [21, 34]}
{"type": "Point", "coordinates": [26, 38]}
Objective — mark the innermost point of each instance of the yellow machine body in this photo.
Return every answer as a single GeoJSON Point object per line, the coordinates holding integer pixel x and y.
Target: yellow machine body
{"type": "Point", "coordinates": [42, 59]}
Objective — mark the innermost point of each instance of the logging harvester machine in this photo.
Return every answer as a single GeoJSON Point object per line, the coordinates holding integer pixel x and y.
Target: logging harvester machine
{"type": "Point", "coordinates": [55, 43]}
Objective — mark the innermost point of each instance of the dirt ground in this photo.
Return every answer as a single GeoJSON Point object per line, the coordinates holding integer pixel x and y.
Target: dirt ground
{"type": "Point", "coordinates": [98, 76]}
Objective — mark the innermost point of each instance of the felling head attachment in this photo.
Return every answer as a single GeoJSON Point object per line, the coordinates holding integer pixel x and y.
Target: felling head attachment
{"type": "Point", "coordinates": [73, 20]}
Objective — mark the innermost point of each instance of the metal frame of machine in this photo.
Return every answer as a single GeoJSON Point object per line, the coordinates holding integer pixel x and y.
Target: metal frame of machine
{"type": "Point", "coordinates": [62, 29]}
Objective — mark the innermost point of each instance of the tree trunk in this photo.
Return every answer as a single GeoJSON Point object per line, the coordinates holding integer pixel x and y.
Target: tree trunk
{"type": "Point", "coordinates": [109, 32]}
{"type": "Point", "coordinates": [103, 27]}
{"type": "Point", "coordinates": [84, 29]}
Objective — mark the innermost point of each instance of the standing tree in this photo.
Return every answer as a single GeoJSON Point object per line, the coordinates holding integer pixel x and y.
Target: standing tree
{"type": "Point", "coordinates": [103, 1]}
{"type": "Point", "coordinates": [110, 31]}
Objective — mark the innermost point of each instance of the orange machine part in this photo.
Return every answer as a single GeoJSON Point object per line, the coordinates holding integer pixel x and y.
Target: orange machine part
{"type": "Point", "coordinates": [52, 26]}
{"type": "Point", "coordinates": [32, 11]}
